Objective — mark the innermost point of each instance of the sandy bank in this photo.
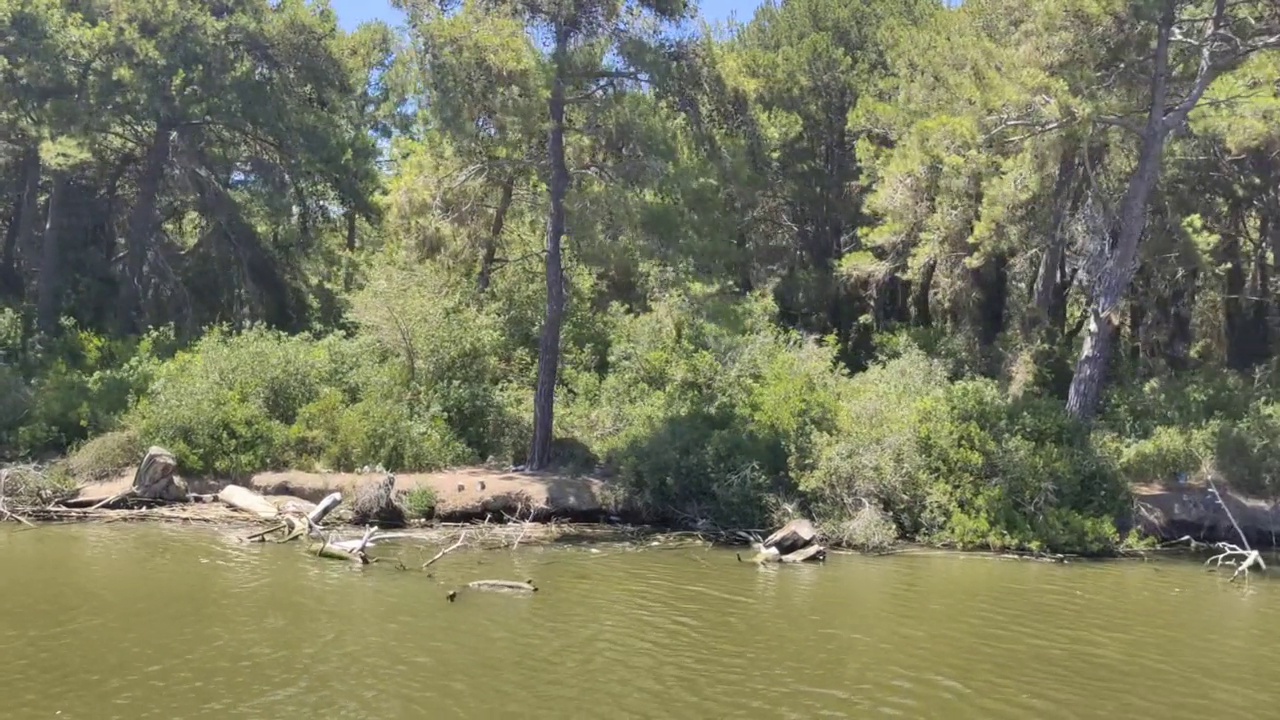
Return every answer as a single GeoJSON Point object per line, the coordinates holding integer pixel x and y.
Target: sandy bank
{"type": "Point", "coordinates": [461, 494]}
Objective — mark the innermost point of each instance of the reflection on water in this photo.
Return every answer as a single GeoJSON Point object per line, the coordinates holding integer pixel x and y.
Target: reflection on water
{"type": "Point", "coordinates": [175, 623]}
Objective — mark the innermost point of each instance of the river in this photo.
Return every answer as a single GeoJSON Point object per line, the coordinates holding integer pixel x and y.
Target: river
{"type": "Point", "coordinates": [134, 622]}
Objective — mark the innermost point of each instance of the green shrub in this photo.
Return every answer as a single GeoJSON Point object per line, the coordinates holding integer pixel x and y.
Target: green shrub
{"type": "Point", "coordinates": [106, 456]}
{"type": "Point", "coordinates": [420, 503]}
{"type": "Point", "coordinates": [55, 394]}
{"type": "Point", "coordinates": [962, 464]}
{"type": "Point", "coordinates": [704, 407]}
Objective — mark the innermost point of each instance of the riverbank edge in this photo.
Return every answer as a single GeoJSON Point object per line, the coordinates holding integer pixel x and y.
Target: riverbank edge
{"type": "Point", "coordinates": [480, 494]}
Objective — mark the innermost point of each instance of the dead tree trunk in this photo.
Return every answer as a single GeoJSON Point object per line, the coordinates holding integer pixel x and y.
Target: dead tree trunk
{"type": "Point", "coordinates": [549, 347]}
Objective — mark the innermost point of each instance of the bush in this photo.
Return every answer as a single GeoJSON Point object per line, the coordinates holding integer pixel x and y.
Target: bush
{"type": "Point", "coordinates": [54, 394]}
{"type": "Point", "coordinates": [962, 464]}
{"type": "Point", "coordinates": [237, 404]}
{"type": "Point", "coordinates": [106, 456]}
{"type": "Point", "coordinates": [420, 503]}
{"type": "Point", "coordinates": [704, 408]}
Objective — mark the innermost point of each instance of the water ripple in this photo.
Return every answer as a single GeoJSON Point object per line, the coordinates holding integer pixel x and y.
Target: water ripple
{"type": "Point", "coordinates": [147, 622]}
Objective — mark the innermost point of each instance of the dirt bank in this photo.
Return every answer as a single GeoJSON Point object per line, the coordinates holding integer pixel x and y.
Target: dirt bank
{"type": "Point", "coordinates": [1172, 512]}
{"type": "Point", "coordinates": [461, 494]}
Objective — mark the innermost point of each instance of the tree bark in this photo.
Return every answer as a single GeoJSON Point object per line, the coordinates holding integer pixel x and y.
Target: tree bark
{"type": "Point", "coordinates": [495, 232]}
{"type": "Point", "coordinates": [350, 217]}
{"type": "Point", "coordinates": [48, 296]}
{"type": "Point", "coordinates": [141, 224]}
{"type": "Point", "coordinates": [1048, 311]}
{"type": "Point", "coordinates": [922, 315]}
{"type": "Point", "coordinates": [22, 228]}
{"type": "Point", "coordinates": [1121, 253]}
{"type": "Point", "coordinates": [558, 188]}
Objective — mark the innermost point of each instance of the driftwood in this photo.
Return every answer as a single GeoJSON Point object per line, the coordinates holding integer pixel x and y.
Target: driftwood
{"type": "Point", "coordinates": [1242, 557]}
{"type": "Point", "coordinates": [243, 498]}
{"type": "Point", "coordinates": [793, 543]}
{"type": "Point", "coordinates": [793, 536]}
{"type": "Point", "coordinates": [813, 552]}
{"type": "Point", "coordinates": [461, 538]}
{"type": "Point", "coordinates": [503, 585]}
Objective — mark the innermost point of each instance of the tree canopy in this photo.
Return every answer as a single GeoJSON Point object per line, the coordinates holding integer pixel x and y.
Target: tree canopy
{"type": "Point", "coordinates": [966, 268]}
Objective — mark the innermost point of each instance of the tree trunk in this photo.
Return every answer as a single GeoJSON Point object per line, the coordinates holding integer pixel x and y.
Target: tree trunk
{"type": "Point", "coordinates": [48, 297]}
{"type": "Point", "coordinates": [141, 224]}
{"type": "Point", "coordinates": [350, 217]}
{"type": "Point", "coordinates": [495, 232]}
{"type": "Point", "coordinates": [1121, 253]}
{"type": "Point", "coordinates": [558, 188]}
{"type": "Point", "coordinates": [23, 226]}
{"type": "Point", "coordinates": [992, 281]}
{"type": "Point", "coordinates": [920, 298]}
{"type": "Point", "coordinates": [1048, 292]}
{"type": "Point", "coordinates": [1233, 303]}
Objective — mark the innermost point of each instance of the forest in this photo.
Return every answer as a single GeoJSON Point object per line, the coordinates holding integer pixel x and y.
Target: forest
{"type": "Point", "coordinates": [961, 275]}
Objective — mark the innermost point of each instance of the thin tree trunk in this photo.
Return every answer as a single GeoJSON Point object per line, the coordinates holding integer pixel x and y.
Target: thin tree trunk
{"type": "Point", "coordinates": [549, 347]}
{"type": "Point", "coordinates": [1233, 303]}
{"type": "Point", "coordinates": [23, 226]}
{"type": "Point", "coordinates": [49, 296]}
{"type": "Point", "coordinates": [920, 300]}
{"type": "Point", "coordinates": [495, 232]}
{"type": "Point", "coordinates": [350, 217]}
{"type": "Point", "coordinates": [1048, 283]}
{"type": "Point", "coordinates": [141, 224]}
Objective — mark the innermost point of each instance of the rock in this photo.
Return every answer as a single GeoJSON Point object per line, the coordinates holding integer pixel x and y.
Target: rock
{"type": "Point", "coordinates": [795, 535]}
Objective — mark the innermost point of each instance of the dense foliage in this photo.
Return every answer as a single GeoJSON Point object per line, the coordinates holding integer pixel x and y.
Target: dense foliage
{"type": "Point", "coordinates": [959, 274]}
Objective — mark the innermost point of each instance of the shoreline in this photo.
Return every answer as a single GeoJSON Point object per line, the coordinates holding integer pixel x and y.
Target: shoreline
{"type": "Point", "coordinates": [467, 496]}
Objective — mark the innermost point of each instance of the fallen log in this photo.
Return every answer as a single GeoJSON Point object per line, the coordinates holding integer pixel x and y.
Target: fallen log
{"type": "Point", "coordinates": [242, 498]}
{"type": "Point", "coordinates": [814, 553]}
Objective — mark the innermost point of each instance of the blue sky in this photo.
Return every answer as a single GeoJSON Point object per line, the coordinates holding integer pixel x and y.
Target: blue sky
{"type": "Point", "coordinates": [353, 12]}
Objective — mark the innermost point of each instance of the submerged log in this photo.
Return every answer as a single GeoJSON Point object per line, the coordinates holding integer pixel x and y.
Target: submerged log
{"type": "Point", "coordinates": [793, 536]}
{"type": "Point", "coordinates": [503, 585]}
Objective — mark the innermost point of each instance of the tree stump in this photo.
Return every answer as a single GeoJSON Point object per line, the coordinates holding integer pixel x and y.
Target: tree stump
{"type": "Point", "coordinates": [376, 505]}
{"type": "Point", "coordinates": [154, 479]}
{"type": "Point", "coordinates": [795, 535]}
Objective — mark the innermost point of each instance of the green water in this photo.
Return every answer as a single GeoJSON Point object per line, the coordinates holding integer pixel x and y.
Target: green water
{"type": "Point", "coordinates": [104, 622]}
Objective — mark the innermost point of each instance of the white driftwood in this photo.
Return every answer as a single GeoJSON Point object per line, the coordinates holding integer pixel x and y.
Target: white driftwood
{"type": "Point", "coordinates": [374, 541]}
{"type": "Point", "coordinates": [326, 506]}
{"type": "Point", "coordinates": [461, 538]}
{"type": "Point", "coordinates": [242, 498]}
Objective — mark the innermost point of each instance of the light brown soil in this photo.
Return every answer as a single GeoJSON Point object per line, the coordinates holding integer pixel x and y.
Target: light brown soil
{"type": "Point", "coordinates": [459, 492]}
